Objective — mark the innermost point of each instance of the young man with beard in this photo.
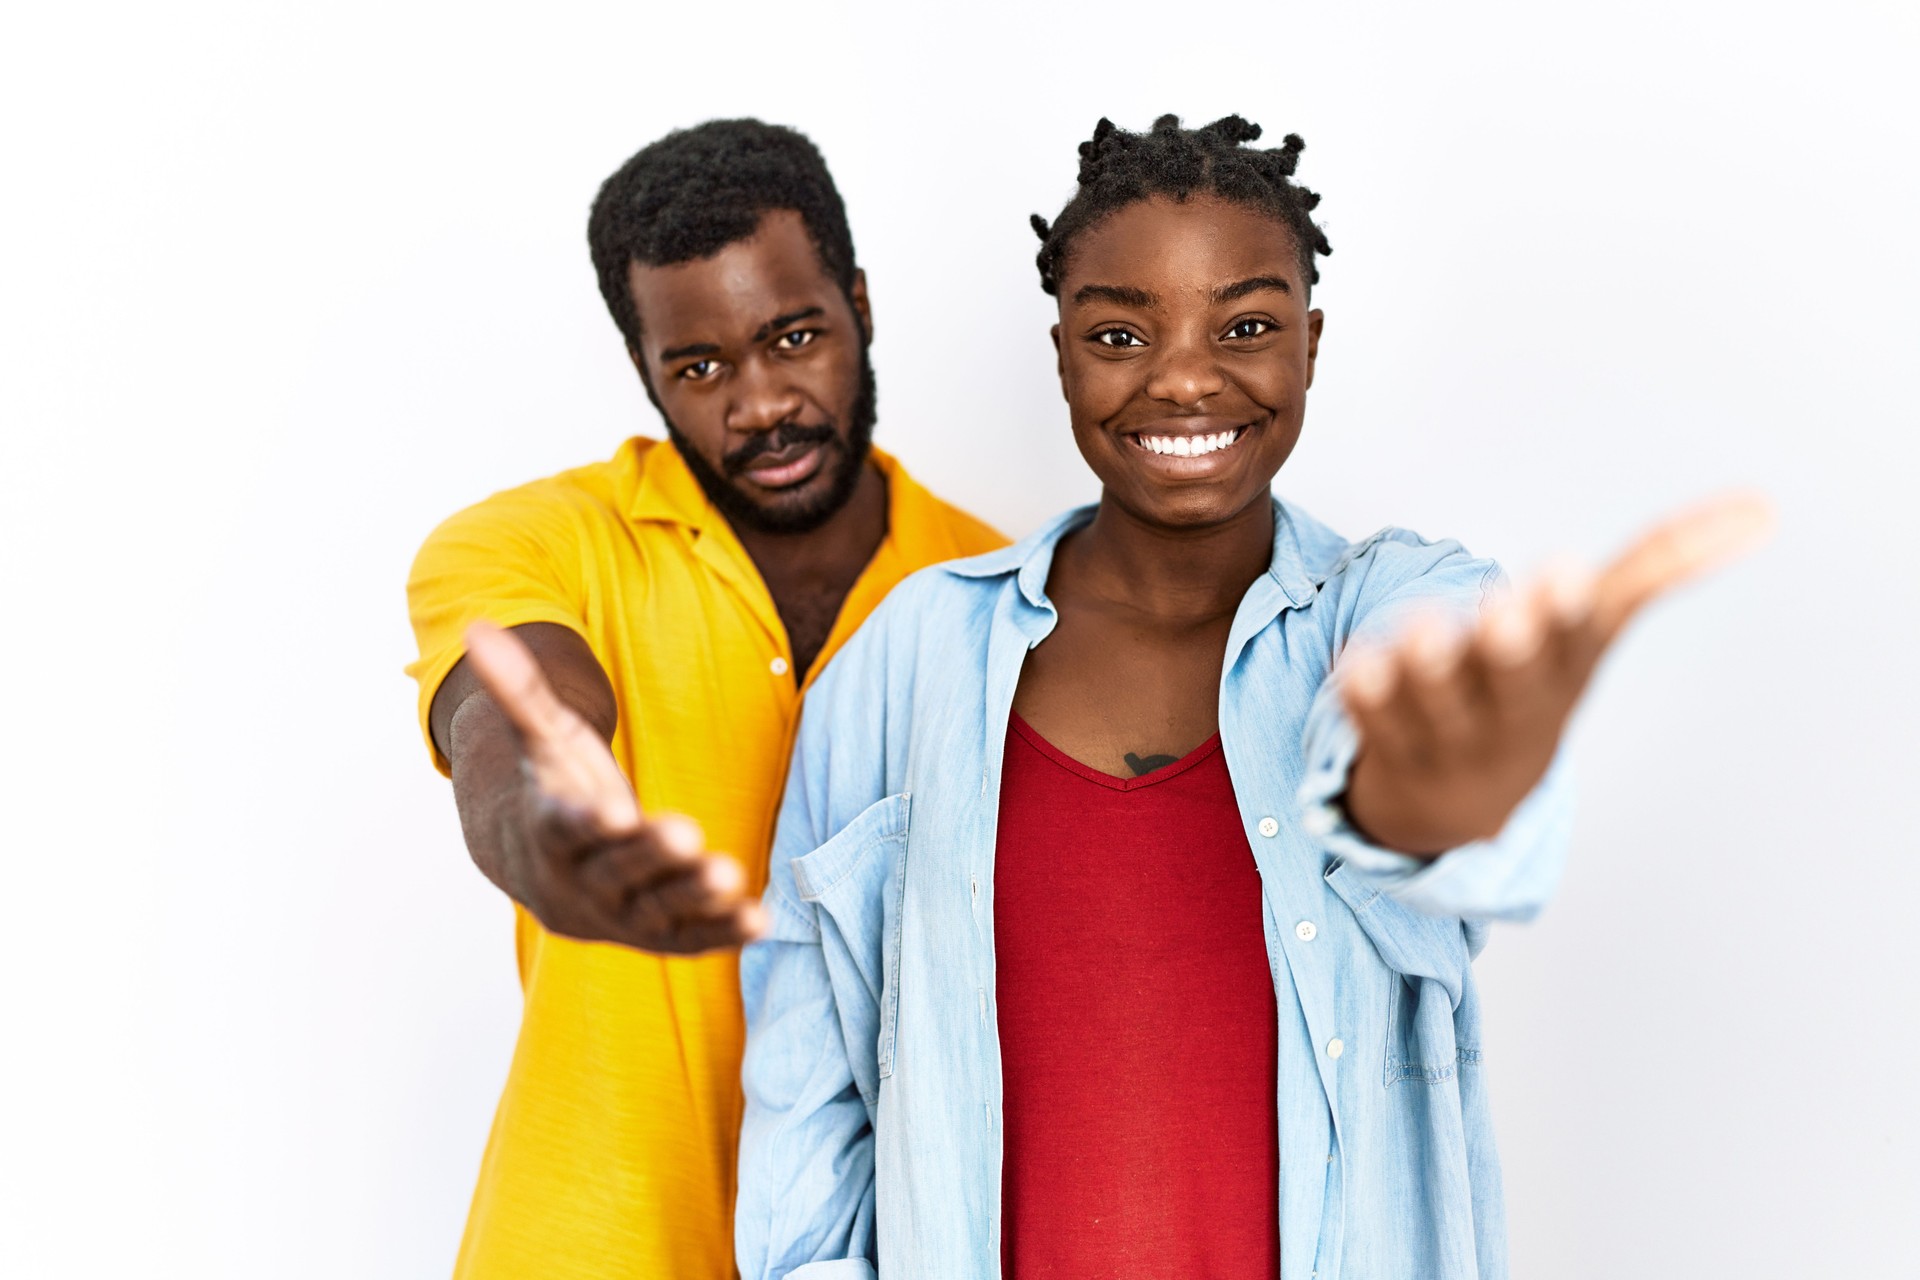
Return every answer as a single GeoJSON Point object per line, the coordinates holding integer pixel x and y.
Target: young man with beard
{"type": "Point", "coordinates": [1127, 880]}
{"type": "Point", "coordinates": [611, 667]}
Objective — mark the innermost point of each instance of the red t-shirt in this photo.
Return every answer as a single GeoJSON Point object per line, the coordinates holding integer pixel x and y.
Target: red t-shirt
{"type": "Point", "coordinates": [1137, 1023]}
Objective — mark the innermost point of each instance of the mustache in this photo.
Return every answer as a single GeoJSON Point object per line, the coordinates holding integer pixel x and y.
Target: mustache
{"type": "Point", "coordinates": [785, 436]}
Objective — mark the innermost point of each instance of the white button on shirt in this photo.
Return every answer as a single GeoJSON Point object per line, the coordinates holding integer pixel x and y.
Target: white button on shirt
{"type": "Point", "coordinates": [1336, 1047]}
{"type": "Point", "coordinates": [1269, 828]}
{"type": "Point", "coordinates": [1305, 931]}
{"type": "Point", "coordinates": [778, 666]}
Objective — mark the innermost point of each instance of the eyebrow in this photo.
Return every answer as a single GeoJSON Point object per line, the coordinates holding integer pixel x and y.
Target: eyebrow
{"type": "Point", "coordinates": [1235, 292]}
{"type": "Point", "coordinates": [780, 322]}
{"type": "Point", "coordinates": [691, 349]}
{"type": "Point", "coordinates": [759, 335]}
{"type": "Point", "coordinates": [1123, 294]}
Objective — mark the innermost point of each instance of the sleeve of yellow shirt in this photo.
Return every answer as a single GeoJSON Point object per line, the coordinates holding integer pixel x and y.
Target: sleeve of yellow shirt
{"type": "Point", "coordinates": [512, 559]}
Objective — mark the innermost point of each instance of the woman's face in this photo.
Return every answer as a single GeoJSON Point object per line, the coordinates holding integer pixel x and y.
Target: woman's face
{"type": "Point", "coordinates": [1186, 350]}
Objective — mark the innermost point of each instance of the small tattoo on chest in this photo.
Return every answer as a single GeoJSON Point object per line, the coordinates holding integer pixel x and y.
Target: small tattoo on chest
{"type": "Point", "coordinates": [1143, 765]}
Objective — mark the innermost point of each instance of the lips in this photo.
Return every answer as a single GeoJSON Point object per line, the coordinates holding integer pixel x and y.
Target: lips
{"type": "Point", "coordinates": [784, 468]}
{"type": "Point", "coordinates": [1188, 446]}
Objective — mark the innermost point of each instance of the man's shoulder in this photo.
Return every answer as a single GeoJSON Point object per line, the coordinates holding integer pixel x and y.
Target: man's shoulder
{"type": "Point", "coordinates": [968, 534]}
{"type": "Point", "coordinates": [594, 492]}
{"type": "Point", "coordinates": [929, 529]}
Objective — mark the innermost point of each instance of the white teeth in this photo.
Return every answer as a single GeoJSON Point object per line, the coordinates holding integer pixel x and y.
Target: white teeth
{"type": "Point", "coordinates": [1190, 446]}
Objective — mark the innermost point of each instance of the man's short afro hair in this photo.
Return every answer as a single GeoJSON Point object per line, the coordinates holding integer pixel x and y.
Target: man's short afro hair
{"type": "Point", "coordinates": [698, 190]}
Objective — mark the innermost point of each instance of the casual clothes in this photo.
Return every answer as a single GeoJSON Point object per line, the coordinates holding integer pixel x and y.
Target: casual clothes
{"type": "Point", "coordinates": [612, 1152]}
{"type": "Point", "coordinates": [876, 1116]}
{"type": "Point", "coordinates": [1136, 1019]}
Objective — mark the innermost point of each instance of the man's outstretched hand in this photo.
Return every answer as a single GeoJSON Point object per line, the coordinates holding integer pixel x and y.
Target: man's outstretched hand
{"type": "Point", "coordinates": [1457, 726]}
{"type": "Point", "coordinates": [574, 848]}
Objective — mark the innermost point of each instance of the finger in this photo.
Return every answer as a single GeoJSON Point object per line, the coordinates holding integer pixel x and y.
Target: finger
{"type": "Point", "coordinates": [1567, 595]}
{"type": "Point", "coordinates": [1521, 652]}
{"type": "Point", "coordinates": [711, 889]}
{"type": "Point", "coordinates": [1510, 634]}
{"type": "Point", "coordinates": [1567, 588]}
{"type": "Point", "coordinates": [614, 871]}
{"type": "Point", "coordinates": [1438, 688]}
{"type": "Point", "coordinates": [570, 762]}
{"type": "Point", "coordinates": [507, 670]}
{"type": "Point", "coordinates": [1370, 689]}
{"type": "Point", "coordinates": [742, 926]}
{"type": "Point", "coordinates": [1685, 546]}
{"type": "Point", "coordinates": [1367, 677]}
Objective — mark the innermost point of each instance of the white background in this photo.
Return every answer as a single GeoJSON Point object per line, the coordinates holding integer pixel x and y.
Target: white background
{"type": "Point", "coordinates": [282, 286]}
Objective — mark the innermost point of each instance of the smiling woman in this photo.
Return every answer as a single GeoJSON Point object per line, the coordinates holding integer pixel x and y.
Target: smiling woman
{"type": "Point", "coordinates": [1115, 724]}
{"type": "Point", "coordinates": [1186, 349]}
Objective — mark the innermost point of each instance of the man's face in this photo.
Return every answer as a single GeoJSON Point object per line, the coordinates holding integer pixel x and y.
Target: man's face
{"type": "Point", "coordinates": [758, 362]}
{"type": "Point", "coordinates": [1186, 350]}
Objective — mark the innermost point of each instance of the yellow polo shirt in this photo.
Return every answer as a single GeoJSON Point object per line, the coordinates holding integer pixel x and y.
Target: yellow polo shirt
{"type": "Point", "coordinates": [612, 1152]}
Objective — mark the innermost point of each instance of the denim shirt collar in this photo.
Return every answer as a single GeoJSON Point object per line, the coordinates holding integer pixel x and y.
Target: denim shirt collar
{"type": "Point", "coordinates": [1031, 559]}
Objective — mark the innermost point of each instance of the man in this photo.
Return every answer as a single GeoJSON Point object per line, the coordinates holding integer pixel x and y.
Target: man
{"type": "Point", "coordinates": [1113, 931]}
{"type": "Point", "coordinates": [664, 612]}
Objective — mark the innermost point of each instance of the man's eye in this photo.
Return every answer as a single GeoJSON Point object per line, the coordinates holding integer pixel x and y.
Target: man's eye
{"type": "Point", "coordinates": [1250, 328]}
{"type": "Point", "coordinates": [1116, 338]}
{"type": "Point", "coordinates": [697, 370]}
{"type": "Point", "coordinates": [796, 339]}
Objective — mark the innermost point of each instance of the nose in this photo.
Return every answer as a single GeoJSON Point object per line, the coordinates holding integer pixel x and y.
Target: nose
{"type": "Point", "coordinates": [763, 398]}
{"type": "Point", "coordinates": [1186, 371]}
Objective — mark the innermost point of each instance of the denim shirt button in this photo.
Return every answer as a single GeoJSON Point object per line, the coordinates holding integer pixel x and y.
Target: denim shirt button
{"type": "Point", "coordinates": [1269, 828]}
{"type": "Point", "coordinates": [1336, 1047]}
{"type": "Point", "coordinates": [1306, 931]}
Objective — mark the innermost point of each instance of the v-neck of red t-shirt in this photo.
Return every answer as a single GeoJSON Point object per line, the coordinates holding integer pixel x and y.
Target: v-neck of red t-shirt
{"type": "Point", "coordinates": [1194, 757]}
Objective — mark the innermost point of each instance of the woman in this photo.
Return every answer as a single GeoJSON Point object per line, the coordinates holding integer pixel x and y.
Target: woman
{"type": "Point", "coordinates": [1110, 935]}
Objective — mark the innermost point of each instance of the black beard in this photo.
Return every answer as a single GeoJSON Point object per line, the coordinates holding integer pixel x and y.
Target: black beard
{"type": "Point", "coordinates": [847, 457]}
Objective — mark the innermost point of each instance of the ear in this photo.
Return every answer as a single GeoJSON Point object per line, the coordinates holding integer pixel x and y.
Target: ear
{"type": "Point", "coordinates": [1315, 319]}
{"type": "Point", "coordinates": [1059, 360]}
{"type": "Point", "coordinates": [646, 383]}
{"type": "Point", "coordinates": [862, 309]}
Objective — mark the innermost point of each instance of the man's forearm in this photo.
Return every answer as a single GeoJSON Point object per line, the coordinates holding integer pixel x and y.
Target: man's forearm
{"type": "Point", "coordinates": [489, 786]}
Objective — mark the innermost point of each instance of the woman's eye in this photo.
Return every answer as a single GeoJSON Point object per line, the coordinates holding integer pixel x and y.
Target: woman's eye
{"type": "Point", "coordinates": [1116, 338]}
{"type": "Point", "coordinates": [698, 370]}
{"type": "Point", "coordinates": [798, 338]}
{"type": "Point", "coordinates": [1250, 328]}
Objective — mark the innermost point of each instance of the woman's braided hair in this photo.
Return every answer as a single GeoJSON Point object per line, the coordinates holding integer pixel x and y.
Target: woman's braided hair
{"type": "Point", "coordinates": [1118, 168]}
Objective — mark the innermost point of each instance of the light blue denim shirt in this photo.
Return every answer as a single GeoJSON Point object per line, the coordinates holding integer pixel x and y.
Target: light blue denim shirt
{"type": "Point", "coordinates": [872, 1134]}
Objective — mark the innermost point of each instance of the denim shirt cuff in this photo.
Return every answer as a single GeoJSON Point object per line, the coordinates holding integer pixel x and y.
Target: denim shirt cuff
{"type": "Point", "coordinates": [1507, 877]}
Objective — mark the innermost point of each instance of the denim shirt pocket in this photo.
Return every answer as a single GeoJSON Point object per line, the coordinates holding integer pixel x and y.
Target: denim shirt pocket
{"type": "Point", "coordinates": [857, 882]}
{"type": "Point", "coordinates": [1429, 956]}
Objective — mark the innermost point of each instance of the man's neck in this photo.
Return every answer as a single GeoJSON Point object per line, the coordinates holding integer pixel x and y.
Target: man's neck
{"type": "Point", "coordinates": [846, 540]}
{"type": "Point", "coordinates": [809, 574]}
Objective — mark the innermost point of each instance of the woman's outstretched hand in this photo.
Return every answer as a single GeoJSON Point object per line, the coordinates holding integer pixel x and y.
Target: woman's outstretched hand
{"type": "Point", "coordinates": [1457, 726]}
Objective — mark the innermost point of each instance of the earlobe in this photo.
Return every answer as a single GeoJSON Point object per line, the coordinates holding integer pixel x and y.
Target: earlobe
{"type": "Point", "coordinates": [1059, 362]}
{"type": "Point", "coordinates": [862, 309]}
{"type": "Point", "coordinates": [646, 383]}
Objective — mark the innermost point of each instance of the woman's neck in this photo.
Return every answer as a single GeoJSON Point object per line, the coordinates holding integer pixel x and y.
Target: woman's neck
{"type": "Point", "coordinates": [1174, 574]}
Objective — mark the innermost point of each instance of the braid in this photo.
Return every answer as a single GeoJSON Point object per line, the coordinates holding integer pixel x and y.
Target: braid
{"type": "Point", "coordinates": [1118, 168]}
